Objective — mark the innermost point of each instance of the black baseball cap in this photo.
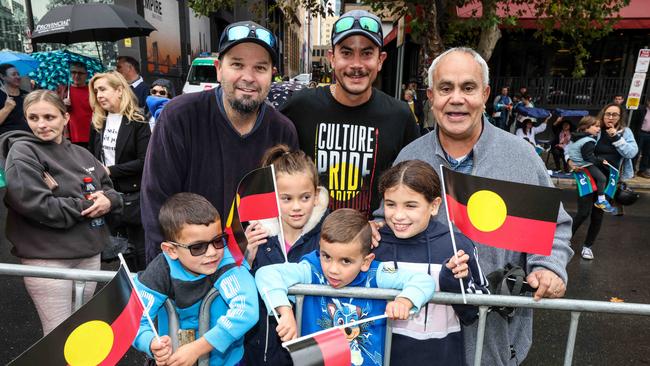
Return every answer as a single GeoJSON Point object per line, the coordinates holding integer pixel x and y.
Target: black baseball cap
{"type": "Point", "coordinates": [248, 31]}
{"type": "Point", "coordinates": [358, 22]}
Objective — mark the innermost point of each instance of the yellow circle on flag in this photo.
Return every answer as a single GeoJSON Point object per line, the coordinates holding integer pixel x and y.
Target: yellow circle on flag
{"type": "Point", "coordinates": [89, 344]}
{"type": "Point", "coordinates": [486, 210]}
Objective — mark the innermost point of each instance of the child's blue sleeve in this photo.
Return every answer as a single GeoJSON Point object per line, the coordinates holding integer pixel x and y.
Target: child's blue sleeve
{"type": "Point", "coordinates": [274, 281]}
{"type": "Point", "coordinates": [415, 286]}
{"type": "Point", "coordinates": [153, 301]}
{"type": "Point", "coordinates": [237, 289]}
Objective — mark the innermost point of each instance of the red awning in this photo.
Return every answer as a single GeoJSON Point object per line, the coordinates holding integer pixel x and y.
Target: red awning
{"type": "Point", "coordinates": [392, 35]}
{"type": "Point", "coordinates": [634, 16]}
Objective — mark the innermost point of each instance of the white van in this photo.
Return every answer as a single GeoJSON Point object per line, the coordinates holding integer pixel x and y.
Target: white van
{"type": "Point", "coordinates": [202, 75]}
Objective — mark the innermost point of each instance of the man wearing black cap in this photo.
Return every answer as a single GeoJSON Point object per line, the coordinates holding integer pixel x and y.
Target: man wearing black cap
{"type": "Point", "coordinates": [352, 130]}
{"type": "Point", "coordinates": [206, 142]}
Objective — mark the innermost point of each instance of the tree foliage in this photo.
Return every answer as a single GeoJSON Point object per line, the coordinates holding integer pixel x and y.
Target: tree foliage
{"type": "Point", "coordinates": [436, 25]}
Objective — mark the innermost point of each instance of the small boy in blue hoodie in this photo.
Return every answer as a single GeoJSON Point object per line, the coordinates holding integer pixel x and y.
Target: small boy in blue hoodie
{"type": "Point", "coordinates": [194, 259]}
{"type": "Point", "coordinates": [344, 259]}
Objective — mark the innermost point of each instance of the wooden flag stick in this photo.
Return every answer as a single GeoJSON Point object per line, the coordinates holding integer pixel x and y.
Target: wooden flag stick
{"type": "Point", "coordinates": [146, 308]}
{"type": "Point", "coordinates": [277, 202]}
{"type": "Point", "coordinates": [268, 299]}
{"type": "Point", "coordinates": [451, 228]}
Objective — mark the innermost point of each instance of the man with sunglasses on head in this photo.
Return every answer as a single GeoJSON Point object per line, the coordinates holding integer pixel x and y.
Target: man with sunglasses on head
{"type": "Point", "coordinates": [205, 142]}
{"type": "Point", "coordinates": [352, 130]}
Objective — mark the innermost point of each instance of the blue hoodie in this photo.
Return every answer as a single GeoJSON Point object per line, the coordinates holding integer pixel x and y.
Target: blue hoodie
{"type": "Point", "coordinates": [321, 312]}
{"type": "Point", "coordinates": [263, 345]}
{"type": "Point", "coordinates": [232, 313]}
{"type": "Point", "coordinates": [435, 332]}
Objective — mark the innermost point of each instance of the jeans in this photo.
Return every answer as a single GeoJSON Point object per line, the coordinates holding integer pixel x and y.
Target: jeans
{"type": "Point", "coordinates": [586, 209]}
{"type": "Point", "coordinates": [644, 150]}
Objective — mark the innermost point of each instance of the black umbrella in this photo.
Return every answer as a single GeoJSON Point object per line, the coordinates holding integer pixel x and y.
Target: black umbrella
{"type": "Point", "coordinates": [90, 22]}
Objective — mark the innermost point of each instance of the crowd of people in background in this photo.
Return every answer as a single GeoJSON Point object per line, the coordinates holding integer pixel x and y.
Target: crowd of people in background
{"type": "Point", "coordinates": [161, 170]}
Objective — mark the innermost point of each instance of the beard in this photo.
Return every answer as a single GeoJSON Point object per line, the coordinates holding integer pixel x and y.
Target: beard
{"type": "Point", "coordinates": [355, 73]}
{"type": "Point", "coordinates": [246, 104]}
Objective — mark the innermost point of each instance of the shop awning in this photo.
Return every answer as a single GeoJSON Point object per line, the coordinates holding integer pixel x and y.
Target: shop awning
{"type": "Point", "coordinates": [634, 16]}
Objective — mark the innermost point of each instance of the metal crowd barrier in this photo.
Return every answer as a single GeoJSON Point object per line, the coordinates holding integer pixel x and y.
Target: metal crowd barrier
{"type": "Point", "coordinates": [484, 302]}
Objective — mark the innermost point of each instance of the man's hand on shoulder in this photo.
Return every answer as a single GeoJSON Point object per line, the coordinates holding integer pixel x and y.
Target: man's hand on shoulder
{"type": "Point", "coordinates": [547, 283]}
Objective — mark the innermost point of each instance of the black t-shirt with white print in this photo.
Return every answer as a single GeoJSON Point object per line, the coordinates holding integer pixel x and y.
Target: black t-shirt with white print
{"type": "Point", "coordinates": [351, 146]}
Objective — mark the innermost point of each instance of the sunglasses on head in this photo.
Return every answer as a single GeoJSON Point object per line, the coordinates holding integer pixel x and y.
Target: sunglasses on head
{"type": "Point", "coordinates": [367, 23]}
{"type": "Point", "coordinates": [197, 249]}
{"type": "Point", "coordinates": [162, 93]}
{"type": "Point", "coordinates": [244, 31]}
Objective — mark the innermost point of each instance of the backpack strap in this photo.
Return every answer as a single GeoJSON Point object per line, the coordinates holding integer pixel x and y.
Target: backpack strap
{"type": "Point", "coordinates": [221, 271]}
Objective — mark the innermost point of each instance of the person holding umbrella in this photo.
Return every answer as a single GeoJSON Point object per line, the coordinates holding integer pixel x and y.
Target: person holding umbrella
{"type": "Point", "coordinates": [76, 97]}
{"type": "Point", "coordinates": [11, 100]}
{"type": "Point", "coordinates": [119, 139]}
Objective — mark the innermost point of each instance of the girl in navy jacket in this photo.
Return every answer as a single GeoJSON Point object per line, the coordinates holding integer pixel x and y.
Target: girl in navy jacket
{"type": "Point", "coordinates": [415, 240]}
{"type": "Point", "coordinates": [303, 207]}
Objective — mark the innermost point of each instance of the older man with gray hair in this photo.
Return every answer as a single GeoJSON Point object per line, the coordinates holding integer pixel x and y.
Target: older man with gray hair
{"type": "Point", "coordinates": [466, 142]}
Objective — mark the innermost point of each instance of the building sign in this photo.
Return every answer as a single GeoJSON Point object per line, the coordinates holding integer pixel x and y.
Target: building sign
{"type": "Point", "coordinates": [163, 45]}
{"type": "Point", "coordinates": [636, 89]}
{"type": "Point", "coordinates": [643, 61]}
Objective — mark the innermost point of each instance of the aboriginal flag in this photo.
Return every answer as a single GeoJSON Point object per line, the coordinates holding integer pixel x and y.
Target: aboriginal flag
{"type": "Point", "coordinates": [99, 333]}
{"type": "Point", "coordinates": [256, 195]}
{"type": "Point", "coordinates": [327, 348]}
{"type": "Point", "coordinates": [512, 216]}
{"type": "Point", "coordinates": [237, 241]}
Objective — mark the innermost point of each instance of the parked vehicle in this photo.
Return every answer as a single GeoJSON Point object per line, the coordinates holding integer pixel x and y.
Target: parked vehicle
{"type": "Point", "coordinates": [202, 75]}
{"type": "Point", "coordinates": [303, 79]}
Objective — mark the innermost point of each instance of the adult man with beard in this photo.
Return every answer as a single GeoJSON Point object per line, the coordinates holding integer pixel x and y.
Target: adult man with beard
{"type": "Point", "coordinates": [206, 142]}
{"type": "Point", "coordinates": [352, 130]}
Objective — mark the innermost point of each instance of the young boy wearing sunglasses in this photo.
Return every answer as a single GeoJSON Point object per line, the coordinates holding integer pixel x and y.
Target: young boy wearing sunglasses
{"type": "Point", "coordinates": [194, 259]}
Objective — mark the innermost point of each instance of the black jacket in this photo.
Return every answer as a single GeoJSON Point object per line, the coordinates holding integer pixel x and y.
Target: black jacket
{"type": "Point", "coordinates": [141, 92]}
{"type": "Point", "coordinates": [130, 151]}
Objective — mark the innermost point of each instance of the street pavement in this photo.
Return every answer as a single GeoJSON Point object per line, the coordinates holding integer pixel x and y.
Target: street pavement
{"type": "Point", "coordinates": [622, 254]}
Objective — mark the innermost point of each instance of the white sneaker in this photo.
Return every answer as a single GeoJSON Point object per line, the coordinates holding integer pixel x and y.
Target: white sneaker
{"type": "Point", "coordinates": [587, 253]}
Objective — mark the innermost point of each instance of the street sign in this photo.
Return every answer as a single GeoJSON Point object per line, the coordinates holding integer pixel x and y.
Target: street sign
{"type": "Point", "coordinates": [643, 61]}
{"type": "Point", "coordinates": [636, 89]}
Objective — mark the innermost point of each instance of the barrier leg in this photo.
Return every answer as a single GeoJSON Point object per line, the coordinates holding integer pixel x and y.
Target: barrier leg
{"type": "Point", "coordinates": [204, 321]}
{"type": "Point", "coordinates": [300, 299]}
{"type": "Point", "coordinates": [388, 341]}
{"type": "Point", "coordinates": [480, 334]}
{"type": "Point", "coordinates": [79, 287]}
{"type": "Point", "coordinates": [571, 340]}
{"type": "Point", "coordinates": [173, 324]}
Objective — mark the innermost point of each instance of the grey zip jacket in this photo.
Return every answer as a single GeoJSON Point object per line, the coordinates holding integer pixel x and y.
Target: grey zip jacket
{"type": "Point", "coordinates": [501, 155]}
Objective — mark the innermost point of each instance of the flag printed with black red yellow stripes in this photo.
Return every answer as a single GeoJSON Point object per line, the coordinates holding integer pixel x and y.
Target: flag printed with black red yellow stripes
{"type": "Point", "coordinates": [512, 216]}
{"type": "Point", "coordinates": [237, 241]}
{"type": "Point", "coordinates": [256, 198]}
{"type": "Point", "coordinates": [99, 333]}
{"type": "Point", "coordinates": [327, 348]}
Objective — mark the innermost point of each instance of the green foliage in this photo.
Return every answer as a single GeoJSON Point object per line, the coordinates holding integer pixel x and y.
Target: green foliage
{"type": "Point", "coordinates": [435, 23]}
{"type": "Point", "coordinates": [207, 7]}
{"type": "Point", "coordinates": [576, 22]}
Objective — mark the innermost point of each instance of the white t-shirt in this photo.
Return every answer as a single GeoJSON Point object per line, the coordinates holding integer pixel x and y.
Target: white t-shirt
{"type": "Point", "coordinates": [113, 122]}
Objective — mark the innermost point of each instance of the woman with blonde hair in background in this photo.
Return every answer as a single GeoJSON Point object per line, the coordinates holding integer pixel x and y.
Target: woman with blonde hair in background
{"type": "Point", "coordinates": [119, 138]}
{"type": "Point", "coordinates": [51, 220]}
